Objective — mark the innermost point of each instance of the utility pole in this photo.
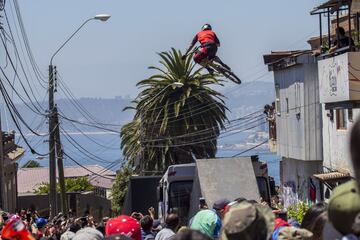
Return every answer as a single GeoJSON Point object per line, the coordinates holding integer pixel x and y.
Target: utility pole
{"type": "Point", "coordinates": [52, 159]}
{"type": "Point", "coordinates": [3, 197]}
{"type": "Point", "coordinates": [2, 162]}
{"type": "Point", "coordinates": [60, 164]}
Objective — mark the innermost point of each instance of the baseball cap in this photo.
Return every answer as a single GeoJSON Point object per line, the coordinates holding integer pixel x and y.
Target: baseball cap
{"type": "Point", "coordinates": [220, 204]}
{"type": "Point", "coordinates": [16, 229]}
{"type": "Point", "coordinates": [123, 225]}
{"type": "Point", "coordinates": [40, 222]}
{"type": "Point", "coordinates": [344, 207]}
{"type": "Point", "coordinates": [88, 233]}
{"type": "Point", "coordinates": [293, 233]}
{"type": "Point", "coordinates": [248, 221]}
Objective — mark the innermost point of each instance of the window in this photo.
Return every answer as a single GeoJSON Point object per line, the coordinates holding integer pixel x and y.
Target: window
{"type": "Point", "coordinates": [277, 102]}
{"type": "Point", "coordinates": [287, 105]}
{"type": "Point", "coordinates": [297, 97]}
{"type": "Point", "coordinates": [179, 199]}
{"type": "Point", "coordinates": [350, 115]}
{"type": "Point", "coordinates": [340, 119]}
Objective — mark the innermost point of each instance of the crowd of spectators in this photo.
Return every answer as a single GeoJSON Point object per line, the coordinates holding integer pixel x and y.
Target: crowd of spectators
{"type": "Point", "coordinates": [225, 220]}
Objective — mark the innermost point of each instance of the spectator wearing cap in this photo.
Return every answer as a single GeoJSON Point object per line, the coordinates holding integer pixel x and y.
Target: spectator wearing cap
{"type": "Point", "coordinates": [146, 228]}
{"type": "Point", "coordinates": [123, 227]}
{"type": "Point", "coordinates": [344, 208]}
{"type": "Point", "coordinates": [171, 225]}
{"type": "Point", "coordinates": [219, 206]}
{"type": "Point", "coordinates": [248, 221]}
{"type": "Point", "coordinates": [88, 233]}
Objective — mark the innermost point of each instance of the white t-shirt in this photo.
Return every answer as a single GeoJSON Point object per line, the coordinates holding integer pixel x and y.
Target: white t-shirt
{"type": "Point", "coordinates": [165, 234]}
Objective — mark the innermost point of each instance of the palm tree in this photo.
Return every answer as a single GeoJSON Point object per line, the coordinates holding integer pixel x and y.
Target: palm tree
{"type": "Point", "coordinates": [174, 125]}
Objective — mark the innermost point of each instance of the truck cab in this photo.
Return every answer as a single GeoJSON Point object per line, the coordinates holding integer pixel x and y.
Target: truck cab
{"type": "Point", "coordinates": [175, 189]}
{"type": "Point", "coordinates": [182, 185]}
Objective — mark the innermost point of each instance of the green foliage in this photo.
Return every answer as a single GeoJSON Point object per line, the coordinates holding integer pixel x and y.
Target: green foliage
{"type": "Point", "coordinates": [80, 184]}
{"type": "Point", "coordinates": [120, 188]}
{"type": "Point", "coordinates": [174, 125]}
{"type": "Point", "coordinates": [31, 164]}
{"type": "Point", "coordinates": [297, 211]}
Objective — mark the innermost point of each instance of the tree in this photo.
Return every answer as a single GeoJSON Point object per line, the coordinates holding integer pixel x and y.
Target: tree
{"type": "Point", "coordinates": [79, 184]}
{"type": "Point", "coordinates": [174, 125]}
{"type": "Point", "coordinates": [31, 164]}
{"type": "Point", "coordinates": [120, 188]}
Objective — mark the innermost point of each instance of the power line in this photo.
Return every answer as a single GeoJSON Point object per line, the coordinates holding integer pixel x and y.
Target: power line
{"type": "Point", "coordinates": [80, 165]}
{"type": "Point", "coordinates": [247, 150]}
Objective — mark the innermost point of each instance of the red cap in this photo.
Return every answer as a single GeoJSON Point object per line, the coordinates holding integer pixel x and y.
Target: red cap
{"type": "Point", "coordinates": [16, 229]}
{"type": "Point", "coordinates": [123, 225]}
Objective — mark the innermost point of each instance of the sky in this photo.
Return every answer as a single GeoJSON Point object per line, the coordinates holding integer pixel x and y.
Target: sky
{"type": "Point", "coordinates": [107, 59]}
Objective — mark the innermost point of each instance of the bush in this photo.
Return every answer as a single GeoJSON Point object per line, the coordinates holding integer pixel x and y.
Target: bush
{"type": "Point", "coordinates": [120, 188]}
{"type": "Point", "coordinates": [297, 211]}
{"type": "Point", "coordinates": [80, 184]}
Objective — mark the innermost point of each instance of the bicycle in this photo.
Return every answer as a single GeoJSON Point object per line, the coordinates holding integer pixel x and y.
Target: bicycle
{"type": "Point", "coordinates": [216, 64]}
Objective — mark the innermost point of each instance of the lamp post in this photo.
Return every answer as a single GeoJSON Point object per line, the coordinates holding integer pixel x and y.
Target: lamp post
{"type": "Point", "coordinates": [142, 133]}
{"type": "Point", "coordinates": [54, 132]}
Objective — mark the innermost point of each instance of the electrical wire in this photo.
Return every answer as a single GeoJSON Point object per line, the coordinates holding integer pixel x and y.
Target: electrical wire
{"type": "Point", "coordinates": [80, 165]}
{"type": "Point", "coordinates": [247, 150]}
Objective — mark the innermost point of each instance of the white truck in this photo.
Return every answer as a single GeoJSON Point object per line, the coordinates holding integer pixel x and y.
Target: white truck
{"type": "Point", "coordinates": [183, 185]}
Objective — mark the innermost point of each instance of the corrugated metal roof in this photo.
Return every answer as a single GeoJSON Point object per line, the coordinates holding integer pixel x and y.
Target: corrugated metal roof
{"type": "Point", "coordinates": [331, 4]}
{"type": "Point", "coordinates": [31, 178]}
{"type": "Point", "coordinates": [331, 176]}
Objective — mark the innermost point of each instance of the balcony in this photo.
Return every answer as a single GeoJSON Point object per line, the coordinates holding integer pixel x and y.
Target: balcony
{"type": "Point", "coordinates": [339, 78]}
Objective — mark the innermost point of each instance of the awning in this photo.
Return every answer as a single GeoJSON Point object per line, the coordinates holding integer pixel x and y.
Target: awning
{"type": "Point", "coordinates": [332, 176]}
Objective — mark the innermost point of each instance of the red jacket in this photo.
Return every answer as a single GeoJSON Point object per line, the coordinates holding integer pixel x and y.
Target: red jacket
{"type": "Point", "coordinates": [206, 37]}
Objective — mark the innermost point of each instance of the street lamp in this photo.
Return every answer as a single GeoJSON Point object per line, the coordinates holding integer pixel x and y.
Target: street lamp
{"type": "Point", "coordinates": [101, 17]}
{"type": "Point", "coordinates": [54, 132]}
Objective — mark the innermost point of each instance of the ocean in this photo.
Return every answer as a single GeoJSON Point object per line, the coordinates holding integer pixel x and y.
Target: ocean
{"type": "Point", "coordinates": [107, 147]}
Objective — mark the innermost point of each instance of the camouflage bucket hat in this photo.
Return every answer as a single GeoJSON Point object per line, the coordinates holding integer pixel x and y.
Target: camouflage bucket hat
{"type": "Point", "coordinates": [248, 221]}
{"type": "Point", "coordinates": [344, 208]}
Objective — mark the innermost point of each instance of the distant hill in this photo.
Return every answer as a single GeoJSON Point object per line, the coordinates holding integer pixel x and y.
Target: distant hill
{"type": "Point", "coordinates": [241, 100]}
{"type": "Point", "coordinates": [249, 97]}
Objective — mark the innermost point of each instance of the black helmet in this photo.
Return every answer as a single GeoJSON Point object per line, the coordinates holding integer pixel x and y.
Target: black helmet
{"type": "Point", "coordinates": [206, 27]}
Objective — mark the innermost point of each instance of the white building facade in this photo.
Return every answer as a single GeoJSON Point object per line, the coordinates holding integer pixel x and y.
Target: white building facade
{"type": "Point", "coordinates": [298, 122]}
{"type": "Point", "coordinates": [339, 78]}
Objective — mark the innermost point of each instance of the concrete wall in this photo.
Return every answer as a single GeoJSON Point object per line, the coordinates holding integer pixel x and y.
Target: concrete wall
{"type": "Point", "coordinates": [295, 178]}
{"type": "Point", "coordinates": [79, 203]}
{"type": "Point", "coordinates": [336, 142]}
{"type": "Point", "coordinates": [299, 112]}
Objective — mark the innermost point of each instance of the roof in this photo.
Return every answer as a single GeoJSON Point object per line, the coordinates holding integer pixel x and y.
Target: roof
{"type": "Point", "coordinates": [277, 57]}
{"type": "Point", "coordinates": [332, 4]}
{"type": "Point", "coordinates": [29, 179]}
{"type": "Point", "coordinates": [331, 176]}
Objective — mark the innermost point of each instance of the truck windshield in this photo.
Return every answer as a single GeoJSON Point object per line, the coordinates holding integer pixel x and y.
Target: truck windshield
{"type": "Point", "coordinates": [179, 199]}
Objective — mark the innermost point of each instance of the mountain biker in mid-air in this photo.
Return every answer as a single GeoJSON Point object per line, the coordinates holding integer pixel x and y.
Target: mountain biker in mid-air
{"type": "Point", "coordinates": [209, 45]}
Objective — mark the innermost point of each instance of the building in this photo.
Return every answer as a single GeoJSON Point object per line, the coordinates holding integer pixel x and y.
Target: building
{"type": "Point", "coordinates": [12, 153]}
{"type": "Point", "coordinates": [29, 179]}
{"type": "Point", "coordinates": [298, 122]}
{"type": "Point", "coordinates": [339, 88]}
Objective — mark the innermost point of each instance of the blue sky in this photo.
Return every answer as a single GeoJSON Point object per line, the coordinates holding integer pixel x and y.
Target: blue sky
{"type": "Point", "coordinates": [107, 59]}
